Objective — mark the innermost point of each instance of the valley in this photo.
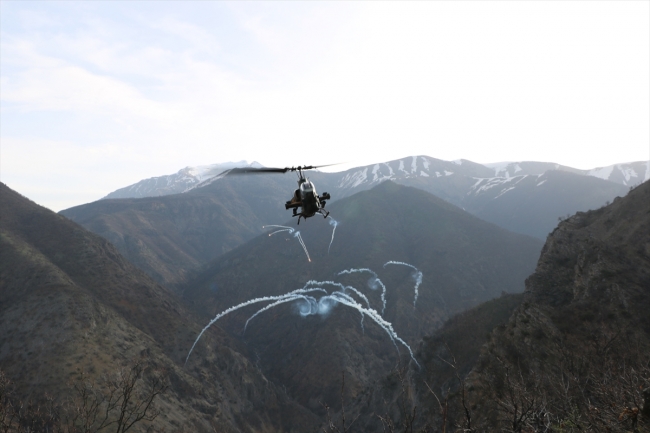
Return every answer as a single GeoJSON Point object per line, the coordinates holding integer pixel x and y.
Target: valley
{"type": "Point", "coordinates": [78, 305]}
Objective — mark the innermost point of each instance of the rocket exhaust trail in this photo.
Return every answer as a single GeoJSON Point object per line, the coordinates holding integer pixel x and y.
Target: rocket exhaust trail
{"type": "Point", "coordinates": [333, 223]}
{"type": "Point", "coordinates": [297, 235]}
{"type": "Point", "coordinates": [374, 315]}
{"type": "Point", "coordinates": [245, 304]}
{"type": "Point", "coordinates": [376, 277]}
{"type": "Point", "coordinates": [417, 275]}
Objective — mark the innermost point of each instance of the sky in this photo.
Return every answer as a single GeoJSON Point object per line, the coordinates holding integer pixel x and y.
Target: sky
{"type": "Point", "coordinates": [95, 96]}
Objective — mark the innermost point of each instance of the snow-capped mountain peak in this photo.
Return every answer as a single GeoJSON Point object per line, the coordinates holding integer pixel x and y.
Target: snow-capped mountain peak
{"type": "Point", "coordinates": [181, 181]}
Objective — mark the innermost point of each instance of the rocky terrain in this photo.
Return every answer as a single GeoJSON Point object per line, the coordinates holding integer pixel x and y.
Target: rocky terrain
{"type": "Point", "coordinates": [576, 352]}
{"type": "Point", "coordinates": [572, 356]}
{"type": "Point", "coordinates": [73, 311]}
{"type": "Point", "coordinates": [569, 354]}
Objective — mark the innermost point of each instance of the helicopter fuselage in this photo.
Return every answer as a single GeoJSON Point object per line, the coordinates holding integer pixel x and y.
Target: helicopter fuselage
{"type": "Point", "coordinates": [306, 198]}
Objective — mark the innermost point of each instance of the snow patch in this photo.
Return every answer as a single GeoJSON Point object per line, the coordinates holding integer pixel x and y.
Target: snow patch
{"type": "Point", "coordinates": [425, 162]}
{"type": "Point", "coordinates": [504, 191]}
{"type": "Point", "coordinates": [602, 172]}
{"type": "Point", "coordinates": [448, 173]}
{"type": "Point", "coordinates": [628, 173]}
{"type": "Point", "coordinates": [422, 173]}
{"type": "Point", "coordinates": [457, 161]}
{"type": "Point", "coordinates": [414, 164]}
{"type": "Point", "coordinates": [352, 180]}
{"type": "Point", "coordinates": [542, 182]}
{"type": "Point", "coordinates": [374, 172]}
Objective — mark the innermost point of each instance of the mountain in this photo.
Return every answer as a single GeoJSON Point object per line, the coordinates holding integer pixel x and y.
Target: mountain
{"type": "Point", "coordinates": [72, 308]}
{"type": "Point", "coordinates": [575, 353]}
{"type": "Point", "coordinates": [626, 174]}
{"type": "Point", "coordinates": [532, 204]}
{"type": "Point", "coordinates": [172, 236]}
{"type": "Point", "coordinates": [528, 201]}
{"type": "Point", "coordinates": [463, 261]}
{"type": "Point", "coordinates": [569, 354]}
{"type": "Point", "coordinates": [181, 181]}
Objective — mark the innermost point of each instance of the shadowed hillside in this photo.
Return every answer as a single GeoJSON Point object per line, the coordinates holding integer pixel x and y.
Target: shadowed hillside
{"type": "Point", "coordinates": [464, 261]}
{"type": "Point", "coordinates": [169, 237]}
{"type": "Point", "coordinates": [577, 351]}
{"type": "Point", "coordinates": [573, 356]}
{"type": "Point", "coordinates": [69, 303]}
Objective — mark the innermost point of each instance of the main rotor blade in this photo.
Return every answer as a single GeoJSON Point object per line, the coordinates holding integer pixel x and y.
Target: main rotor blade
{"type": "Point", "coordinates": [311, 167]}
{"type": "Point", "coordinates": [253, 170]}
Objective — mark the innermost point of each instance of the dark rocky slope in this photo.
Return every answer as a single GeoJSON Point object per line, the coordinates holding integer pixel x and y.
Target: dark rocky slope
{"type": "Point", "coordinates": [573, 356]}
{"type": "Point", "coordinates": [576, 353]}
{"type": "Point", "coordinates": [69, 303]}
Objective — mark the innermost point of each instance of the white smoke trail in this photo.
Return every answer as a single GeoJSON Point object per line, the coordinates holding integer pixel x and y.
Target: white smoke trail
{"type": "Point", "coordinates": [333, 223]}
{"type": "Point", "coordinates": [417, 276]}
{"type": "Point", "coordinates": [281, 301]}
{"type": "Point", "coordinates": [245, 304]}
{"type": "Point", "coordinates": [276, 226]}
{"type": "Point", "coordinates": [392, 262]}
{"type": "Point", "coordinates": [352, 300]}
{"type": "Point", "coordinates": [335, 284]}
{"type": "Point", "coordinates": [297, 235]}
{"type": "Point", "coordinates": [376, 317]}
{"type": "Point", "coordinates": [372, 286]}
{"type": "Point", "coordinates": [280, 231]}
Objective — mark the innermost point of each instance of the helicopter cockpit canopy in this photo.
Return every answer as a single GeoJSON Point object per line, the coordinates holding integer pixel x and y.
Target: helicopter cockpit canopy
{"type": "Point", "coordinates": [307, 190]}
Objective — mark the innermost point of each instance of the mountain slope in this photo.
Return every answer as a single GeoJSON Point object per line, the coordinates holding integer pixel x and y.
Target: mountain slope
{"type": "Point", "coordinates": [578, 347]}
{"type": "Point", "coordinates": [533, 204]}
{"type": "Point", "coordinates": [69, 303]}
{"type": "Point", "coordinates": [463, 260]}
{"type": "Point", "coordinates": [169, 236]}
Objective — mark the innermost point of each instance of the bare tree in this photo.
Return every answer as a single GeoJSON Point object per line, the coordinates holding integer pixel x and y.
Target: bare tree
{"type": "Point", "coordinates": [115, 403]}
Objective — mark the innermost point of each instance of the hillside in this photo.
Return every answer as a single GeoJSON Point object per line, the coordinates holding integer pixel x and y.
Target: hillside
{"type": "Point", "coordinates": [169, 237]}
{"type": "Point", "coordinates": [581, 339]}
{"type": "Point", "coordinates": [464, 261]}
{"type": "Point", "coordinates": [70, 304]}
{"type": "Point", "coordinates": [573, 355]}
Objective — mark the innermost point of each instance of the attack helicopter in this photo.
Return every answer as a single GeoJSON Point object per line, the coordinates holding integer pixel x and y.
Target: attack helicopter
{"type": "Point", "coordinates": [304, 198]}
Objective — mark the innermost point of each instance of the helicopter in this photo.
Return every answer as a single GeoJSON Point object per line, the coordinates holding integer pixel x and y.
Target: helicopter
{"type": "Point", "coordinates": [304, 198]}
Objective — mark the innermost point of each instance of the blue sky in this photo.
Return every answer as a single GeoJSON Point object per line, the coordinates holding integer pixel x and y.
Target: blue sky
{"type": "Point", "coordinates": [98, 95]}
